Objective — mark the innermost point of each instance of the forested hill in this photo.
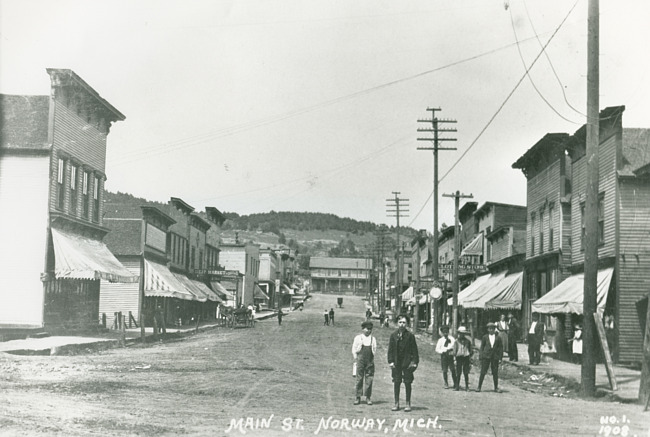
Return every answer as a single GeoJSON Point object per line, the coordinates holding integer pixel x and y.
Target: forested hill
{"type": "Point", "coordinates": [274, 222]}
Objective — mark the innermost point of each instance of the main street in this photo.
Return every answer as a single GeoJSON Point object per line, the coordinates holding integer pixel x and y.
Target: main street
{"type": "Point", "coordinates": [293, 379]}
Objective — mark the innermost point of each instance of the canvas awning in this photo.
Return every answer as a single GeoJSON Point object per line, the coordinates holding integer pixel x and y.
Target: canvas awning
{"type": "Point", "coordinates": [567, 296]}
{"type": "Point", "coordinates": [221, 291]}
{"type": "Point", "coordinates": [211, 295]}
{"type": "Point", "coordinates": [259, 294]}
{"type": "Point", "coordinates": [191, 287]}
{"type": "Point", "coordinates": [491, 290]}
{"type": "Point", "coordinates": [160, 282]}
{"type": "Point", "coordinates": [287, 289]}
{"type": "Point", "coordinates": [472, 288]}
{"type": "Point", "coordinates": [474, 247]}
{"type": "Point", "coordinates": [408, 294]}
{"type": "Point", "coordinates": [509, 296]}
{"type": "Point", "coordinates": [78, 257]}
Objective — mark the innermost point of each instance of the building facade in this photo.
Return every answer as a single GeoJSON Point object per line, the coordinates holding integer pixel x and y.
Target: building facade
{"type": "Point", "coordinates": [340, 275]}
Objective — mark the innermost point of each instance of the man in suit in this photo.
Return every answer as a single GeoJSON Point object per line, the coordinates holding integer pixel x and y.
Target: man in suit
{"type": "Point", "coordinates": [536, 336]}
{"type": "Point", "coordinates": [403, 359]}
{"type": "Point", "coordinates": [490, 355]}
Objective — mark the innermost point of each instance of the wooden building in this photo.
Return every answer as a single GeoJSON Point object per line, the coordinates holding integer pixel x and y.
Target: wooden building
{"type": "Point", "coordinates": [340, 275]}
{"type": "Point", "coordinates": [52, 174]}
{"type": "Point", "coordinates": [623, 229]}
{"type": "Point", "coordinates": [245, 259]}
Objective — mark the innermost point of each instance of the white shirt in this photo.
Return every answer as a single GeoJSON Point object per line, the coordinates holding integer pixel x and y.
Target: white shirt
{"type": "Point", "coordinates": [440, 346]}
{"type": "Point", "coordinates": [492, 338]}
{"type": "Point", "coordinates": [532, 328]}
{"type": "Point", "coordinates": [363, 340]}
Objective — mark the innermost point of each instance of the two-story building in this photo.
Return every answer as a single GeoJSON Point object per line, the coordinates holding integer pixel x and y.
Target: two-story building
{"type": "Point", "coordinates": [270, 275]}
{"type": "Point", "coordinates": [245, 259]}
{"type": "Point", "coordinates": [547, 168]}
{"type": "Point", "coordinates": [340, 275]}
{"type": "Point", "coordinates": [623, 229]}
{"type": "Point", "coordinates": [52, 174]}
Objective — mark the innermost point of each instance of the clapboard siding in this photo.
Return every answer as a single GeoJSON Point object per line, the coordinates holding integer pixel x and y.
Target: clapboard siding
{"type": "Point", "coordinates": [543, 189]}
{"type": "Point", "coordinates": [634, 263]}
{"type": "Point", "coordinates": [117, 296]}
{"type": "Point", "coordinates": [607, 186]}
{"type": "Point", "coordinates": [79, 138]}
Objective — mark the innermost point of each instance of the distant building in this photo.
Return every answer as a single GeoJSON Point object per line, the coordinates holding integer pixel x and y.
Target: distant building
{"type": "Point", "coordinates": [245, 259]}
{"type": "Point", "coordinates": [340, 275]}
{"type": "Point", "coordinates": [52, 174]}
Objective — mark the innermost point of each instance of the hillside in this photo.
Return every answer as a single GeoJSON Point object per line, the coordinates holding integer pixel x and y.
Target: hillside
{"type": "Point", "coordinates": [311, 234]}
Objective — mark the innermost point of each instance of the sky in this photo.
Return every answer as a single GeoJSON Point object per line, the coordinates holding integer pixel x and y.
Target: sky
{"type": "Point", "coordinates": [294, 105]}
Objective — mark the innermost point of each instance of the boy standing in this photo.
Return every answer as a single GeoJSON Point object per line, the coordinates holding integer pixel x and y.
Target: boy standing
{"type": "Point", "coordinates": [403, 359]}
{"type": "Point", "coordinates": [364, 348]}
{"type": "Point", "coordinates": [445, 347]}
{"type": "Point", "coordinates": [463, 351]}
{"type": "Point", "coordinates": [490, 355]}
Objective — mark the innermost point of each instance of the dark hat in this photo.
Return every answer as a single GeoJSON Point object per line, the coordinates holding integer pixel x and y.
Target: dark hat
{"type": "Point", "coordinates": [366, 324]}
{"type": "Point", "coordinates": [491, 325]}
{"type": "Point", "coordinates": [444, 328]}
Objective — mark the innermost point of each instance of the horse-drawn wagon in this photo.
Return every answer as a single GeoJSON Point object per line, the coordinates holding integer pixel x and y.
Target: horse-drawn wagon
{"type": "Point", "coordinates": [239, 317]}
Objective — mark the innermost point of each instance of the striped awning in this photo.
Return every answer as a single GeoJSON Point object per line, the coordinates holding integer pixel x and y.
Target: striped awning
{"type": "Point", "coordinates": [491, 289]}
{"type": "Point", "coordinates": [474, 247]}
{"type": "Point", "coordinates": [509, 298]}
{"type": "Point", "coordinates": [567, 296]}
{"type": "Point", "coordinates": [469, 291]}
{"type": "Point", "coordinates": [221, 291]}
{"type": "Point", "coordinates": [191, 287]}
{"type": "Point", "coordinates": [78, 257]}
{"type": "Point", "coordinates": [159, 281]}
{"type": "Point", "coordinates": [211, 295]}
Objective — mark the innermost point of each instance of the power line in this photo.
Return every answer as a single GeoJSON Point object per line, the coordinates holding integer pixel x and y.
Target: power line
{"type": "Point", "coordinates": [480, 134]}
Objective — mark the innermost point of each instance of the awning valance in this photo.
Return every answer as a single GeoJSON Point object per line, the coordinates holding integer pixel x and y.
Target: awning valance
{"type": "Point", "coordinates": [78, 257]}
{"type": "Point", "coordinates": [211, 295]}
{"type": "Point", "coordinates": [221, 291]}
{"type": "Point", "coordinates": [471, 289]}
{"type": "Point", "coordinates": [491, 290]}
{"type": "Point", "coordinates": [567, 297]}
{"type": "Point", "coordinates": [159, 281]}
{"type": "Point", "coordinates": [408, 294]}
{"type": "Point", "coordinates": [474, 247]}
{"type": "Point", "coordinates": [259, 294]}
{"type": "Point", "coordinates": [509, 296]}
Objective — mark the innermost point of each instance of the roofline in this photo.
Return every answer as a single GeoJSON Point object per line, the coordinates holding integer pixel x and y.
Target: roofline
{"type": "Point", "coordinates": [152, 209]}
{"type": "Point", "coordinates": [75, 77]}
{"type": "Point", "coordinates": [181, 204]}
{"type": "Point", "coordinates": [486, 204]}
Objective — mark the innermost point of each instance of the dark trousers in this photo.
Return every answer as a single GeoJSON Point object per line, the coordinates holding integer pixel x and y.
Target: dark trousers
{"type": "Point", "coordinates": [365, 372]}
{"type": "Point", "coordinates": [447, 363]}
{"type": "Point", "coordinates": [462, 367]}
{"type": "Point", "coordinates": [513, 353]}
{"type": "Point", "coordinates": [494, 365]}
{"type": "Point", "coordinates": [534, 356]}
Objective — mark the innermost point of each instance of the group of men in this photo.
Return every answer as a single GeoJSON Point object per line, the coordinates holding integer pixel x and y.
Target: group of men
{"type": "Point", "coordinates": [403, 357]}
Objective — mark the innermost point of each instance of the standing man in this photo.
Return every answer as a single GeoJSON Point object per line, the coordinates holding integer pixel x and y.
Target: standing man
{"type": "Point", "coordinates": [513, 335]}
{"type": "Point", "coordinates": [364, 348]}
{"type": "Point", "coordinates": [403, 359]}
{"type": "Point", "coordinates": [445, 347]}
{"type": "Point", "coordinates": [536, 336]}
{"type": "Point", "coordinates": [332, 316]}
{"type": "Point", "coordinates": [490, 355]}
{"type": "Point", "coordinates": [280, 314]}
{"type": "Point", "coordinates": [327, 317]}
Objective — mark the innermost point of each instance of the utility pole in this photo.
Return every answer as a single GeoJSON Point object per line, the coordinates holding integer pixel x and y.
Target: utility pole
{"type": "Point", "coordinates": [435, 148]}
{"type": "Point", "coordinates": [379, 252]}
{"type": "Point", "coordinates": [588, 371]}
{"type": "Point", "coordinates": [399, 212]}
{"type": "Point", "coordinates": [457, 196]}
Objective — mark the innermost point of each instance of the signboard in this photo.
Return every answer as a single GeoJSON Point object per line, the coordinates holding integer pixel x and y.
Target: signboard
{"type": "Point", "coordinates": [462, 268]}
{"type": "Point", "coordinates": [218, 275]}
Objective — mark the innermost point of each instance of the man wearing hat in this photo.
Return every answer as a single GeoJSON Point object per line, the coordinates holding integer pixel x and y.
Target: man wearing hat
{"type": "Point", "coordinates": [445, 347]}
{"type": "Point", "coordinates": [463, 351]}
{"type": "Point", "coordinates": [364, 348]}
{"type": "Point", "coordinates": [490, 355]}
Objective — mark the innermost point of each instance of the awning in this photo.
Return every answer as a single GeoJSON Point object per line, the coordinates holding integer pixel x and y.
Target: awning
{"type": "Point", "coordinates": [160, 282]}
{"type": "Point", "coordinates": [491, 290]}
{"type": "Point", "coordinates": [474, 247]}
{"type": "Point", "coordinates": [471, 289]}
{"type": "Point", "coordinates": [191, 287]}
{"type": "Point", "coordinates": [78, 257]}
{"type": "Point", "coordinates": [287, 289]}
{"type": "Point", "coordinates": [408, 294]}
{"type": "Point", "coordinates": [259, 294]}
{"type": "Point", "coordinates": [509, 298]}
{"type": "Point", "coordinates": [221, 291]}
{"type": "Point", "coordinates": [567, 297]}
{"type": "Point", "coordinates": [211, 295]}
{"type": "Point", "coordinates": [423, 299]}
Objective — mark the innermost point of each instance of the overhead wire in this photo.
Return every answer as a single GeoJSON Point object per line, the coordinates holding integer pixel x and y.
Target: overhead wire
{"type": "Point", "coordinates": [231, 130]}
{"type": "Point", "coordinates": [493, 117]}
{"type": "Point", "coordinates": [530, 78]}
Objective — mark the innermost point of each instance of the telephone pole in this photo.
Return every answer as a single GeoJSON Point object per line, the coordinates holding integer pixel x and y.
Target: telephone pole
{"type": "Point", "coordinates": [457, 196]}
{"type": "Point", "coordinates": [588, 371]}
{"type": "Point", "coordinates": [400, 210]}
{"type": "Point", "coordinates": [435, 148]}
{"type": "Point", "coordinates": [379, 248]}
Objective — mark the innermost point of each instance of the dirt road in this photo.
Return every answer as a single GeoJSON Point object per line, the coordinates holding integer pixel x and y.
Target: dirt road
{"type": "Point", "coordinates": [293, 379]}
